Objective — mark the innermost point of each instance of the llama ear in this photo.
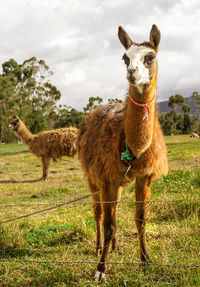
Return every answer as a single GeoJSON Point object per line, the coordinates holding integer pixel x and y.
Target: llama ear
{"type": "Point", "coordinates": [124, 38]}
{"type": "Point", "coordinates": [155, 36]}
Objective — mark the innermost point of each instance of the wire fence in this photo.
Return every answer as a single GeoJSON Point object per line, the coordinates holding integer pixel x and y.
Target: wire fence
{"type": "Point", "coordinates": [75, 202]}
{"type": "Point", "coordinates": [47, 209]}
{"type": "Point", "coordinates": [58, 204]}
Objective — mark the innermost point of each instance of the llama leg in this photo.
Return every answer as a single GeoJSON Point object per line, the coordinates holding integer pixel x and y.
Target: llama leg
{"type": "Point", "coordinates": [97, 215]}
{"type": "Point", "coordinates": [142, 190]}
{"type": "Point", "coordinates": [109, 222]}
{"type": "Point", "coordinates": [45, 164]}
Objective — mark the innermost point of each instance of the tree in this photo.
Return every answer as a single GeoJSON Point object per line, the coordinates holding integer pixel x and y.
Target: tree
{"type": "Point", "coordinates": [43, 95]}
{"type": "Point", "coordinates": [175, 122]}
{"type": "Point", "coordinates": [176, 102]}
{"type": "Point", "coordinates": [93, 103]}
{"type": "Point", "coordinates": [166, 123]}
{"type": "Point", "coordinates": [187, 121]}
{"type": "Point", "coordinates": [26, 91]}
{"type": "Point", "coordinates": [8, 100]}
{"type": "Point", "coordinates": [114, 101]}
{"type": "Point", "coordinates": [196, 97]}
{"type": "Point", "coordinates": [68, 116]}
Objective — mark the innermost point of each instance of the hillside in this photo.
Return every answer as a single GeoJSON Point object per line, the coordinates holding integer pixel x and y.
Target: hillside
{"type": "Point", "coordinates": [163, 106]}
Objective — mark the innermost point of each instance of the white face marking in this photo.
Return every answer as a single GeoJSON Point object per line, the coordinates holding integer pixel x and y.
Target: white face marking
{"type": "Point", "coordinates": [136, 55]}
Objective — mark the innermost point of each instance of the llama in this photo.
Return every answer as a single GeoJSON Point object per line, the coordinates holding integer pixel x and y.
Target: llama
{"type": "Point", "coordinates": [47, 145]}
{"type": "Point", "coordinates": [119, 143]}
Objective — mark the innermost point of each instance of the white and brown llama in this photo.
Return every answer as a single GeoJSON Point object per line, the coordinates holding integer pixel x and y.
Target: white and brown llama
{"type": "Point", "coordinates": [47, 145]}
{"type": "Point", "coordinates": [119, 143]}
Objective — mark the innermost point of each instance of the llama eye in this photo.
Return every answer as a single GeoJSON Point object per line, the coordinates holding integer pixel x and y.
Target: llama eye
{"type": "Point", "coordinates": [126, 60]}
{"type": "Point", "coordinates": [149, 59]}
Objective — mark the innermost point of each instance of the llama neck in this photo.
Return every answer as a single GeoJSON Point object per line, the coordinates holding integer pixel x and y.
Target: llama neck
{"type": "Point", "coordinates": [138, 125]}
{"type": "Point", "coordinates": [24, 134]}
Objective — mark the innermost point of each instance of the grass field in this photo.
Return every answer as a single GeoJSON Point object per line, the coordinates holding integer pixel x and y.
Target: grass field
{"type": "Point", "coordinates": [68, 233]}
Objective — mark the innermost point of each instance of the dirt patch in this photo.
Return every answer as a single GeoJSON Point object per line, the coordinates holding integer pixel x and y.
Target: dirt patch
{"type": "Point", "coordinates": [184, 164]}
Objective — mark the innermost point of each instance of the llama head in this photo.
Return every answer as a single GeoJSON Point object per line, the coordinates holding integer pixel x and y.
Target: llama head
{"type": "Point", "coordinates": [14, 123]}
{"type": "Point", "coordinates": [140, 58]}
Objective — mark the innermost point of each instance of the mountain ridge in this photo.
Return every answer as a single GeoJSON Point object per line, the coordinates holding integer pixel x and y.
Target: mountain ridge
{"type": "Point", "coordinates": [163, 106]}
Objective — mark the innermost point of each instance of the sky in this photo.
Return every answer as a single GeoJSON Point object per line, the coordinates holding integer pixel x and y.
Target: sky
{"type": "Point", "coordinates": [78, 41]}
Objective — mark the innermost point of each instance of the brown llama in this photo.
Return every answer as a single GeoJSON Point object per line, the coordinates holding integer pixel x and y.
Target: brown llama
{"type": "Point", "coordinates": [47, 145]}
{"type": "Point", "coordinates": [122, 142]}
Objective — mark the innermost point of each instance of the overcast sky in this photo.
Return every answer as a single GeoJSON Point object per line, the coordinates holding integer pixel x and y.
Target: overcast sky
{"type": "Point", "coordinates": [78, 41]}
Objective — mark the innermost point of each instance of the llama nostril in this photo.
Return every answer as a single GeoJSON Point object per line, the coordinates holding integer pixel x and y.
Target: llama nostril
{"type": "Point", "coordinates": [132, 70]}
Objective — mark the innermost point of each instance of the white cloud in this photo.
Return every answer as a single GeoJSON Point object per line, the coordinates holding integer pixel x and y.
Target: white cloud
{"type": "Point", "coordinates": [75, 76]}
{"type": "Point", "coordinates": [78, 40]}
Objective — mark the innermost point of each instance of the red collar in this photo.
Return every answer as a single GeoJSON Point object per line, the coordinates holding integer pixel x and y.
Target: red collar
{"type": "Point", "coordinates": [146, 107]}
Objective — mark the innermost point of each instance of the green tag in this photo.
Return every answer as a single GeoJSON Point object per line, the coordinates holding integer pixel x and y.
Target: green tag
{"type": "Point", "coordinates": [126, 155]}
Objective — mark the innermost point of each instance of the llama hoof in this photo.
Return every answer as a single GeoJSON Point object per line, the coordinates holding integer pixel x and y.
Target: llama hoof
{"type": "Point", "coordinates": [43, 179]}
{"type": "Point", "coordinates": [99, 276]}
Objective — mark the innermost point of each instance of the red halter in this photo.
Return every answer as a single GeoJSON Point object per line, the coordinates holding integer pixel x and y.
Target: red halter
{"type": "Point", "coordinates": [146, 109]}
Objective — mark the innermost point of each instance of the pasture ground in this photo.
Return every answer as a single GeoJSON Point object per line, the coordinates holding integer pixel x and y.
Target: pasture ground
{"type": "Point", "coordinates": [68, 233]}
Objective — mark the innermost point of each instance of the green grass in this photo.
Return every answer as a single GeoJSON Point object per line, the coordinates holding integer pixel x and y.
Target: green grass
{"type": "Point", "coordinates": [8, 149]}
{"type": "Point", "coordinates": [68, 233]}
{"type": "Point", "coordinates": [182, 147]}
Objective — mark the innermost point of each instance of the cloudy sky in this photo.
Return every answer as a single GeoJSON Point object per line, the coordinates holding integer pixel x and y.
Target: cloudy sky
{"type": "Point", "coordinates": [78, 40]}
